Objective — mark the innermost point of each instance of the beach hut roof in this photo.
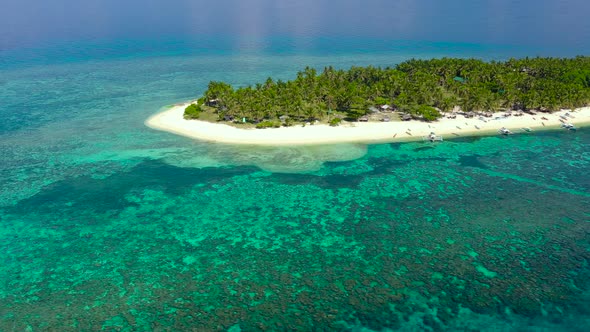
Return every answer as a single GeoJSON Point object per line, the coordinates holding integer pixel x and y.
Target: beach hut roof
{"type": "Point", "coordinates": [385, 107]}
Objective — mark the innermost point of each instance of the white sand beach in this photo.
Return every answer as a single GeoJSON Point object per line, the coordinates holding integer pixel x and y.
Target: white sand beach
{"type": "Point", "coordinates": [172, 121]}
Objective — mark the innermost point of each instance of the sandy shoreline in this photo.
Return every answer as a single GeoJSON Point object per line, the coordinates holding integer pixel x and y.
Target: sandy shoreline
{"type": "Point", "coordinates": [172, 121]}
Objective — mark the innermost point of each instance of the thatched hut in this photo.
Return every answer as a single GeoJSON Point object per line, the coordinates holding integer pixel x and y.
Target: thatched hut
{"type": "Point", "coordinates": [212, 102]}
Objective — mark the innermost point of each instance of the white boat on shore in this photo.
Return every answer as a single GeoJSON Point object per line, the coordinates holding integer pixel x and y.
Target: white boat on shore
{"type": "Point", "coordinates": [433, 137]}
{"type": "Point", "coordinates": [568, 126]}
{"type": "Point", "coordinates": [504, 131]}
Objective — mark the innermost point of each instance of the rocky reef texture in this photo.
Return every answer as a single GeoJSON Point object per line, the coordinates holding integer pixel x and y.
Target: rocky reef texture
{"type": "Point", "coordinates": [474, 234]}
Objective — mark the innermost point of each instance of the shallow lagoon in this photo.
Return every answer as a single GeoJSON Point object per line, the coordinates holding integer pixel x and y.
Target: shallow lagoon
{"type": "Point", "coordinates": [472, 233]}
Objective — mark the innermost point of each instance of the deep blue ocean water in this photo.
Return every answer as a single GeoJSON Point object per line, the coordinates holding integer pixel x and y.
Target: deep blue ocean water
{"type": "Point", "coordinates": [107, 224]}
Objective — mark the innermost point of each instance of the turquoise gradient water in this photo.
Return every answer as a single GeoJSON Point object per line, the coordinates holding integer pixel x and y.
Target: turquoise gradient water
{"type": "Point", "coordinates": [106, 224]}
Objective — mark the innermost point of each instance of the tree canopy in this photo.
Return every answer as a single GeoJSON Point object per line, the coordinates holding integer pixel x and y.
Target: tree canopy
{"type": "Point", "coordinates": [192, 111]}
{"type": "Point", "coordinates": [421, 88]}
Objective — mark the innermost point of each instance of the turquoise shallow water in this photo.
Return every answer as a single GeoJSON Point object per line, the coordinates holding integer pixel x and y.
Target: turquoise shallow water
{"type": "Point", "coordinates": [106, 224]}
{"type": "Point", "coordinates": [486, 234]}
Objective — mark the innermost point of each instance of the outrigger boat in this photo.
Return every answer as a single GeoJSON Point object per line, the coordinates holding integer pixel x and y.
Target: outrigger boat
{"type": "Point", "coordinates": [568, 126]}
{"type": "Point", "coordinates": [527, 129]}
{"type": "Point", "coordinates": [504, 131]}
{"type": "Point", "coordinates": [433, 137]}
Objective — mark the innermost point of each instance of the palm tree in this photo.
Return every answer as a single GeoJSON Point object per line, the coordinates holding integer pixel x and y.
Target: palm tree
{"type": "Point", "coordinates": [532, 83]}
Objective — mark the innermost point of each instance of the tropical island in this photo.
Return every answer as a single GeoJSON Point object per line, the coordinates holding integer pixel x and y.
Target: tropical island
{"type": "Point", "coordinates": [453, 96]}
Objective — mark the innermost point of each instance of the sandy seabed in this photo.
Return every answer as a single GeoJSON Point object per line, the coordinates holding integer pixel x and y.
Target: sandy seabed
{"type": "Point", "coordinates": [172, 121]}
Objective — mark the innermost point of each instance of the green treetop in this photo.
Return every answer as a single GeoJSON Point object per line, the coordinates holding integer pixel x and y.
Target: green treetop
{"type": "Point", "coordinates": [422, 88]}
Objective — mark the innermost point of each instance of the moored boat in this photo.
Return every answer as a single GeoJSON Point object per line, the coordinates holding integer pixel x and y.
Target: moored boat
{"type": "Point", "coordinates": [433, 137]}
{"type": "Point", "coordinates": [568, 126]}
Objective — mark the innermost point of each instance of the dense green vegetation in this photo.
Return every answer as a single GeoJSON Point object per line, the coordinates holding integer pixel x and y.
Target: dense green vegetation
{"type": "Point", "coordinates": [421, 88]}
{"type": "Point", "coordinates": [268, 124]}
{"type": "Point", "coordinates": [334, 122]}
{"type": "Point", "coordinates": [192, 111]}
